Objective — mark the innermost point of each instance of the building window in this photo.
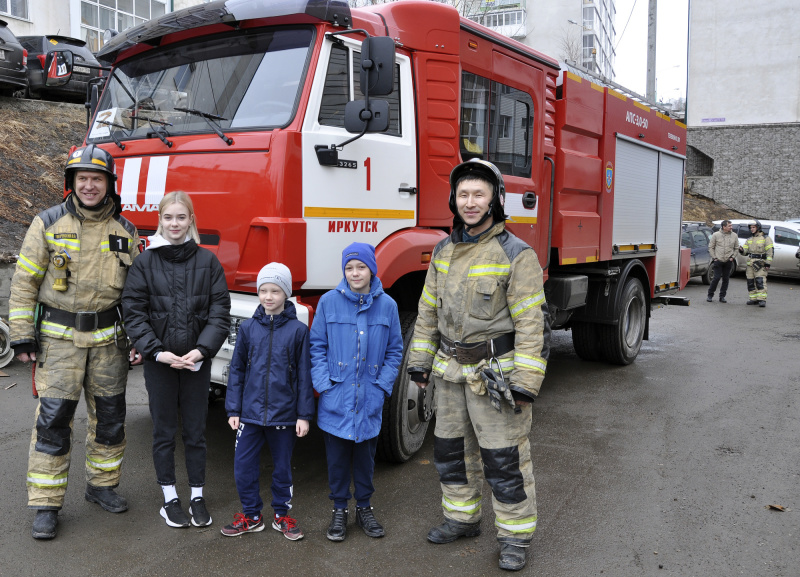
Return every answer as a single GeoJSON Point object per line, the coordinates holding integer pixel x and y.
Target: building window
{"type": "Point", "coordinates": [18, 8]}
{"type": "Point", "coordinates": [119, 15]}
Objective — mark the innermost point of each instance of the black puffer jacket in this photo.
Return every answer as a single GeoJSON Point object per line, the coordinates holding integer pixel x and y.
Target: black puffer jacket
{"type": "Point", "coordinates": [176, 300]}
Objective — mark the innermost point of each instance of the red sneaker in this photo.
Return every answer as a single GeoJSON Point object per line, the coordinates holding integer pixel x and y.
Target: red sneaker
{"type": "Point", "coordinates": [243, 524]}
{"type": "Point", "coordinates": [288, 527]}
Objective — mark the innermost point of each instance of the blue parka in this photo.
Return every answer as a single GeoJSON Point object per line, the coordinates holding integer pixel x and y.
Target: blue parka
{"type": "Point", "coordinates": [270, 379]}
{"type": "Point", "coordinates": [356, 351]}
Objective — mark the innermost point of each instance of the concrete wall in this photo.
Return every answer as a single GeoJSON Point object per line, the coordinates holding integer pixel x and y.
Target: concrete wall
{"type": "Point", "coordinates": [756, 169]}
{"type": "Point", "coordinates": [744, 62]}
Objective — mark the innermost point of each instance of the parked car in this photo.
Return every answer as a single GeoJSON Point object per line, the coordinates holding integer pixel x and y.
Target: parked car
{"type": "Point", "coordinates": [13, 62]}
{"type": "Point", "coordinates": [785, 237]}
{"type": "Point", "coordinates": [74, 90]}
{"type": "Point", "coordinates": [694, 236]}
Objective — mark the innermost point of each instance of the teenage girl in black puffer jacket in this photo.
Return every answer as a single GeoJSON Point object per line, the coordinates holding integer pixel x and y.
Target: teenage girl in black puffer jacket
{"type": "Point", "coordinates": [177, 313]}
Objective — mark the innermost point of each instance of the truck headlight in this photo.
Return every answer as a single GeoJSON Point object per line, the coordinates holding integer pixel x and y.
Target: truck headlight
{"type": "Point", "coordinates": [234, 330]}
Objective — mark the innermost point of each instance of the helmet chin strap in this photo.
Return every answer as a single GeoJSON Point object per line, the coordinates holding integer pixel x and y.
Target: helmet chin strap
{"type": "Point", "coordinates": [483, 219]}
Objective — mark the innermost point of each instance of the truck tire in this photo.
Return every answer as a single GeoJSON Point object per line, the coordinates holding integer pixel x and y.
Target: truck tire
{"type": "Point", "coordinates": [620, 343]}
{"type": "Point", "coordinates": [584, 340]}
{"type": "Point", "coordinates": [407, 413]}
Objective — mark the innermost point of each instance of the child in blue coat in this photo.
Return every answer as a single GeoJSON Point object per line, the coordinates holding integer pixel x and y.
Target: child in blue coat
{"type": "Point", "coordinates": [356, 351]}
{"type": "Point", "coordinates": [269, 399]}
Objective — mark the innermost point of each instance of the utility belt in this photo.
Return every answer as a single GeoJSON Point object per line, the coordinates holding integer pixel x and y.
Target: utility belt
{"type": "Point", "coordinates": [473, 353]}
{"type": "Point", "coordinates": [83, 321]}
{"type": "Point", "coordinates": [757, 256]}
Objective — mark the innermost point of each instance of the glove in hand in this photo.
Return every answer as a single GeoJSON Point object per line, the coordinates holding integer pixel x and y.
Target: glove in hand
{"type": "Point", "coordinates": [497, 389]}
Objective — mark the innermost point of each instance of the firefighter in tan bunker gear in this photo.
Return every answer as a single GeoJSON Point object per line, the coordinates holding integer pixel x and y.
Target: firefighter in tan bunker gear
{"type": "Point", "coordinates": [64, 316]}
{"type": "Point", "coordinates": [759, 250]}
{"type": "Point", "coordinates": [482, 334]}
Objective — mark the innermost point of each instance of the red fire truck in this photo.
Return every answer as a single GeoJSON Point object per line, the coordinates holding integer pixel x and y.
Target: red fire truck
{"type": "Point", "coordinates": [301, 126]}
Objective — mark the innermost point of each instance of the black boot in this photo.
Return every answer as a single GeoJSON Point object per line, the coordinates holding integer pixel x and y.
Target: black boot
{"type": "Point", "coordinates": [337, 530]}
{"type": "Point", "coordinates": [44, 524]}
{"type": "Point", "coordinates": [107, 498]}
{"type": "Point", "coordinates": [451, 530]}
{"type": "Point", "coordinates": [366, 520]}
{"type": "Point", "coordinates": [512, 558]}
{"type": "Point", "coordinates": [762, 304]}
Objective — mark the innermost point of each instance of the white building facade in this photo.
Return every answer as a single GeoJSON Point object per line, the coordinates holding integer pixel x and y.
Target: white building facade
{"type": "Point", "coordinates": [743, 105]}
{"type": "Point", "coordinates": [580, 31]}
{"type": "Point", "coordinates": [84, 19]}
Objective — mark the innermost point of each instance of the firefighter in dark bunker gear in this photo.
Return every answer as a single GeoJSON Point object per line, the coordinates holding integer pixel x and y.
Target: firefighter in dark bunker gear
{"type": "Point", "coordinates": [482, 333]}
{"type": "Point", "coordinates": [65, 317]}
{"type": "Point", "coordinates": [759, 250]}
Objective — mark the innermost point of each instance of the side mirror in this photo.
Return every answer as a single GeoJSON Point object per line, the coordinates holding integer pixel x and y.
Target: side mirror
{"type": "Point", "coordinates": [377, 66]}
{"type": "Point", "coordinates": [58, 66]}
{"type": "Point", "coordinates": [358, 118]}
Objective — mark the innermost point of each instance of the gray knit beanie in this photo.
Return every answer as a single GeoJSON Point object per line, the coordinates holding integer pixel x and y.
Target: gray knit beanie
{"type": "Point", "coordinates": [278, 274]}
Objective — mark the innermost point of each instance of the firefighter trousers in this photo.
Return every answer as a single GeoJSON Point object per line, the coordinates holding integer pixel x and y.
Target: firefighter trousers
{"type": "Point", "coordinates": [473, 441]}
{"type": "Point", "coordinates": [756, 283]}
{"type": "Point", "coordinates": [62, 370]}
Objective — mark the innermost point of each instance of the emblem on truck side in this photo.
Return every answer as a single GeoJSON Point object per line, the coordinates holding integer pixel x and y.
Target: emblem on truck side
{"type": "Point", "coordinates": [609, 176]}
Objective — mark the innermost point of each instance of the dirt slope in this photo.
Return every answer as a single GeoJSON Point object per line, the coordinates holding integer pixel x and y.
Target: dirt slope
{"type": "Point", "coordinates": [35, 137]}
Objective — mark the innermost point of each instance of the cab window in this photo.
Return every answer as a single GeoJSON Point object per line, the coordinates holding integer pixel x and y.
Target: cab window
{"type": "Point", "coordinates": [496, 124]}
{"type": "Point", "coordinates": [342, 84]}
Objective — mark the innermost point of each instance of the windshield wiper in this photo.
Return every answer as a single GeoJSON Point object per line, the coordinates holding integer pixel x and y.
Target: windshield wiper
{"type": "Point", "coordinates": [208, 118]}
{"type": "Point", "coordinates": [111, 132]}
{"type": "Point", "coordinates": [157, 129]}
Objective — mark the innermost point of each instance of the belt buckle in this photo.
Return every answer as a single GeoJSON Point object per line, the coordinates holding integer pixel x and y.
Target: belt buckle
{"type": "Point", "coordinates": [85, 321]}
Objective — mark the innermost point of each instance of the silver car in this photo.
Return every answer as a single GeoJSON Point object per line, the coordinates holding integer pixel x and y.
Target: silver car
{"type": "Point", "coordinates": [785, 237]}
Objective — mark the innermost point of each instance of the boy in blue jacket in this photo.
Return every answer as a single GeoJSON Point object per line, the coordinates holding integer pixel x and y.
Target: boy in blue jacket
{"type": "Point", "coordinates": [269, 399]}
{"type": "Point", "coordinates": [356, 351]}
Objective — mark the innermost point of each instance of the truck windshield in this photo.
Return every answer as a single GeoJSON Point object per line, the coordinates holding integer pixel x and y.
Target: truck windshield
{"type": "Point", "coordinates": [241, 80]}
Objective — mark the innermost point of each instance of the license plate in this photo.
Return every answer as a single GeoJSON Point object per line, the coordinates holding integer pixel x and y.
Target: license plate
{"type": "Point", "coordinates": [81, 70]}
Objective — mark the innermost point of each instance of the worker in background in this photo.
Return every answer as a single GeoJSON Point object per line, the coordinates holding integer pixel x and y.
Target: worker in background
{"type": "Point", "coordinates": [722, 246]}
{"type": "Point", "coordinates": [759, 251]}
{"type": "Point", "coordinates": [65, 317]}
{"type": "Point", "coordinates": [482, 335]}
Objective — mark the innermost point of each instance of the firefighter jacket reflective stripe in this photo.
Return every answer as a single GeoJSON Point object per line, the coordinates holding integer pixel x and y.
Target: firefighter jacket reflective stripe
{"type": "Point", "coordinates": [759, 244]}
{"type": "Point", "coordinates": [478, 291]}
{"type": "Point", "coordinates": [723, 245]}
{"type": "Point", "coordinates": [98, 248]}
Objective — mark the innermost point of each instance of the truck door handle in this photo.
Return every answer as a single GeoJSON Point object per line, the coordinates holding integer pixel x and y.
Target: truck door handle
{"type": "Point", "coordinates": [408, 189]}
{"type": "Point", "coordinates": [529, 200]}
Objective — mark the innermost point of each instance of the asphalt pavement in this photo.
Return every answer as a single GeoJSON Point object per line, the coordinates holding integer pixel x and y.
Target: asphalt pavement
{"type": "Point", "coordinates": [666, 467]}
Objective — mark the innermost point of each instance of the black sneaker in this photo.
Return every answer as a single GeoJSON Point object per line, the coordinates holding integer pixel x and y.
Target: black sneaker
{"type": "Point", "coordinates": [337, 530]}
{"type": "Point", "coordinates": [200, 516]}
{"type": "Point", "coordinates": [173, 514]}
{"type": "Point", "coordinates": [44, 524]}
{"type": "Point", "coordinates": [709, 299]}
{"type": "Point", "coordinates": [366, 520]}
{"type": "Point", "coordinates": [722, 300]}
{"type": "Point", "coordinates": [243, 524]}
